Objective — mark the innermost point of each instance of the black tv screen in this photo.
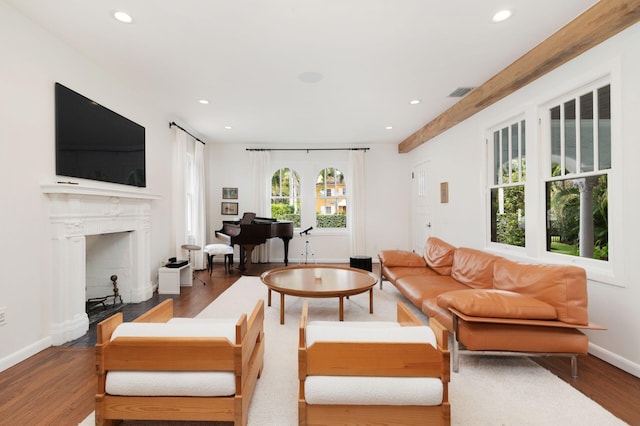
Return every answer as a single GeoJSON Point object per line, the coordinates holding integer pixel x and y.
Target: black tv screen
{"type": "Point", "coordinates": [93, 142]}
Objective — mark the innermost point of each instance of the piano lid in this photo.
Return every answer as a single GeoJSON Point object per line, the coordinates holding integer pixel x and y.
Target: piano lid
{"type": "Point", "coordinates": [247, 218]}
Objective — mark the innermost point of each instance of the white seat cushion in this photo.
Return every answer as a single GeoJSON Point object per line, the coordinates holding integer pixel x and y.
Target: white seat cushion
{"type": "Point", "coordinates": [351, 390]}
{"type": "Point", "coordinates": [174, 383]}
{"type": "Point", "coordinates": [359, 332]}
{"type": "Point", "coordinates": [218, 249]}
{"type": "Point", "coordinates": [180, 320]}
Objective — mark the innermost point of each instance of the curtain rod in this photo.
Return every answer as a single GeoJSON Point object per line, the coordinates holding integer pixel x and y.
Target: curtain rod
{"type": "Point", "coordinates": [173, 123]}
{"type": "Point", "coordinates": [307, 149]}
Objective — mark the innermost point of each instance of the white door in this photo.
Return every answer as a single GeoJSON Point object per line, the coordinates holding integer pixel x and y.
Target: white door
{"type": "Point", "coordinates": [421, 206]}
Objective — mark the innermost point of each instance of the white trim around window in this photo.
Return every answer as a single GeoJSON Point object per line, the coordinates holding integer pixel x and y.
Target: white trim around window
{"type": "Point", "coordinates": [609, 272]}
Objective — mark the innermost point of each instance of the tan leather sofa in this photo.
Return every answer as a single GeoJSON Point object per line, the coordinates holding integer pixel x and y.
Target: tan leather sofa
{"type": "Point", "coordinates": [492, 304]}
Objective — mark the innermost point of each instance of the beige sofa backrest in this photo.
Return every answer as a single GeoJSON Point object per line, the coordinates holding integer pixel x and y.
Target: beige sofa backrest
{"type": "Point", "coordinates": [562, 286]}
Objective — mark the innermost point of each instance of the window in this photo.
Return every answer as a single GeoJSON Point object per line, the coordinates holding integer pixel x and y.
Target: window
{"type": "Point", "coordinates": [285, 196]}
{"type": "Point", "coordinates": [507, 183]}
{"type": "Point", "coordinates": [579, 166]}
{"type": "Point", "coordinates": [331, 202]}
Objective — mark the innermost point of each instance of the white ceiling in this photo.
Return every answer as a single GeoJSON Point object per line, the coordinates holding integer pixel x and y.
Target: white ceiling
{"type": "Point", "coordinates": [246, 58]}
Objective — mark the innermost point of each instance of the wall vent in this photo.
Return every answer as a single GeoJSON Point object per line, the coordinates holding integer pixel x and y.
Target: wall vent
{"type": "Point", "coordinates": [3, 318]}
{"type": "Point", "coordinates": [460, 92]}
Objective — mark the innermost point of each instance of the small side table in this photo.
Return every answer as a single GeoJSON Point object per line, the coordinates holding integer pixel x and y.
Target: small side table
{"type": "Point", "coordinates": [170, 279]}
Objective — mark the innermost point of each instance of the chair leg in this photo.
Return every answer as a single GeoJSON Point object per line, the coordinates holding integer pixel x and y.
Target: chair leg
{"type": "Point", "coordinates": [228, 262]}
{"type": "Point", "coordinates": [210, 263]}
{"type": "Point", "coordinates": [455, 348]}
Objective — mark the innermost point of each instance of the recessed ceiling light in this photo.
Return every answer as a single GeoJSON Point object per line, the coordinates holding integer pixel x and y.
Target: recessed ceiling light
{"type": "Point", "coordinates": [204, 101]}
{"type": "Point", "coordinates": [415, 102]}
{"type": "Point", "coordinates": [228, 127]}
{"type": "Point", "coordinates": [123, 17]}
{"type": "Point", "coordinates": [388, 128]}
{"type": "Point", "coordinates": [502, 15]}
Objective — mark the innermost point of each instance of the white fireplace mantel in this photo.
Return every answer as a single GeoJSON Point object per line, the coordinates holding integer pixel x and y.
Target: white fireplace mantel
{"type": "Point", "coordinates": [76, 211]}
{"type": "Point", "coordinates": [69, 188]}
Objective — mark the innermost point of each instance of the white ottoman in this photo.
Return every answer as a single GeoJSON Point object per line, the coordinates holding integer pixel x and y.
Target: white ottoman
{"type": "Point", "coordinates": [219, 249]}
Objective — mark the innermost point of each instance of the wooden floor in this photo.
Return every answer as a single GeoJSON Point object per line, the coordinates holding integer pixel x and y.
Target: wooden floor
{"type": "Point", "coordinates": [57, 386]}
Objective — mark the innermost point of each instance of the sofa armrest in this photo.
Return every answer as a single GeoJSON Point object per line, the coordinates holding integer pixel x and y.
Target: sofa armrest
{"type": "Point", "coordinates": [513, 321]}
{"type": "Point", "coordinates": [401, 258]}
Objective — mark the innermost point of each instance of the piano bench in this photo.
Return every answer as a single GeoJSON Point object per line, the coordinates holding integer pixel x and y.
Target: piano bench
{"type": "Point", "coordinates": [219, 249]}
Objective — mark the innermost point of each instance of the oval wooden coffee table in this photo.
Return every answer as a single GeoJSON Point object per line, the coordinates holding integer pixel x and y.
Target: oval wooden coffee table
{"type": "Point", "coordinates": [333, 281]}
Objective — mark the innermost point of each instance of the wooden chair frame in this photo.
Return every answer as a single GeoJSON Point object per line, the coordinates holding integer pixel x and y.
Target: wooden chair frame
{"type": "Point", "coordinates": [374, 359]}
{"type": "Point", "coordinates": [244, 357]}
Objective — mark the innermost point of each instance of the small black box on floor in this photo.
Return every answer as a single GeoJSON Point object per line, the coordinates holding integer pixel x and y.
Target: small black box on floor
{"type": "Point", "coordinates": [361, 262]}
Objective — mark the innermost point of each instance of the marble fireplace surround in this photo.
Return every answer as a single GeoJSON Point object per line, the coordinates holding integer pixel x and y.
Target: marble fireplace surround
{"type": "Point", "coordinates": [75, 212]}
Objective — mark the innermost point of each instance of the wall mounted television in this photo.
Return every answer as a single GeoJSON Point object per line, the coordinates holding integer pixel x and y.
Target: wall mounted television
{"type": "Point", "coordinates": [93, 142]}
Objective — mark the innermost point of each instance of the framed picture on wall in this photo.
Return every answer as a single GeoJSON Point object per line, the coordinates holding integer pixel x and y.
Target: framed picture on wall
{"type": "Point", "coordinates": [229, 208]}
{"type": "Point", "coordinates": [444, 192]}
{"type": "Point", "coordinates": [229, 193]}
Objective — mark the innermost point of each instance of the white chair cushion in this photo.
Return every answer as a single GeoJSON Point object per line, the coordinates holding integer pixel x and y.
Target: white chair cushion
{"type": "Point", "coordinates": [218, 249]}
{"type": "Point", "coordinates": [170, 383]}
{"type": "Point", "coordinates": [350, 390]}
{"type": "Point", "coordinates": [360, 332]}
{"type": "Point", "coordinates": [174, 383]}
{"type": "Point", "coordinates": [180, 320]}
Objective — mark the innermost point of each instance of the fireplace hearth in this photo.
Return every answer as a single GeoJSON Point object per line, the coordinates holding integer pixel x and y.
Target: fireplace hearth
{"type": "Point", "coordinates": [100, 310]}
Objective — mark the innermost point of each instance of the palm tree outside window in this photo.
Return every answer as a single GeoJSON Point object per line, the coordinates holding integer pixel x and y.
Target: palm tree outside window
{"type": "Point", "coordinates": [579, 167]}
{"type": "Point", "coordinates": [285, 196]}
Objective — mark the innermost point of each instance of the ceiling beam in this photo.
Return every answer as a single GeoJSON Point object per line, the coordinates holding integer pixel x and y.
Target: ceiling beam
{"type": "Point", "coordinates": [602, 21]}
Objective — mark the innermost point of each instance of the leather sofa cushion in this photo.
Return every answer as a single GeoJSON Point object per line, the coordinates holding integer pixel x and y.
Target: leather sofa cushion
{"type": "Point", "coordinates": [419, 288]}
{"type": "Point", "coordinates": [431, 309]}
{"type": "Point", "coordinates": [439, 255]}
{"type": "Point", "coordinates": [401, 258]}
{"type": "Point", "coordinates": [497, 304]}
{"type": "Point", "coordinates": [395, 273]}
{"type": "Point", "coordinates": [562, 286]}
{"type": "Point", "coordinates": [473, 268]}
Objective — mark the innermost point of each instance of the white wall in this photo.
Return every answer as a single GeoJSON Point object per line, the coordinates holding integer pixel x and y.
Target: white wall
{"type": "Point", "coordinates": [32, 61]}
{"type": "Point", "coordinates": [387, 201]}
{"type": "Point", "coordinates": [458, 157]}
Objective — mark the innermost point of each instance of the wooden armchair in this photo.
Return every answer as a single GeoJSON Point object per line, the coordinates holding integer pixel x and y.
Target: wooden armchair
{"type": "Point", "coordinates": [165, 369]}
{"type": "Point", "coordinates": [393, 373]}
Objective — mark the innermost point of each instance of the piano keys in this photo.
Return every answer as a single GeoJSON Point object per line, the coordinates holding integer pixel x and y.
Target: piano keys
{"type": "Point", "coordinates": [252, 231]}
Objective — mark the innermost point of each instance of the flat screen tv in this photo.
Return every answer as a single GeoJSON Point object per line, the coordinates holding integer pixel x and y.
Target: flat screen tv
{"type": "Point", "coordinates": [93, 142]}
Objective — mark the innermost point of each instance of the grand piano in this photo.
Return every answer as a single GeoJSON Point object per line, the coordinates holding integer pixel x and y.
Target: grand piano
{"type": "Point", "coordinates": [251, 231]}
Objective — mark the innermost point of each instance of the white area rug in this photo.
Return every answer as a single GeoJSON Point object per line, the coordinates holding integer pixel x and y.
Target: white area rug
{"type": "Point", "coordinates": [486, 391]}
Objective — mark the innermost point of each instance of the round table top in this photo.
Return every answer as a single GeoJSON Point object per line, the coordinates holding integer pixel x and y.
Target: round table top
{"type": "Point", "coordinates": [191, 247]}
{"type": "Point", "coordinates": [333, 281]}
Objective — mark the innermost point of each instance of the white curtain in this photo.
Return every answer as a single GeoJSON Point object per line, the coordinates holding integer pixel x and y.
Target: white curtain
{"type": "Point", "coordinates": [356, 214]}
{"type": "Point", "coordinates": [189, 196]}
{"type": "Point", "coordinates": [199, 214]}
{"type": "Point", "coordinates": [261, 178]}
{"type": "Point", "coordinates": [179, 194]}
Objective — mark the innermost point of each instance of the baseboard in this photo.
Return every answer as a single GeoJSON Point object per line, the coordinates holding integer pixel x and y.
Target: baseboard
{"type": "Point", "coordinates": [614, 359]}
{"type": "Point", "coordinates": [24, 353]}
